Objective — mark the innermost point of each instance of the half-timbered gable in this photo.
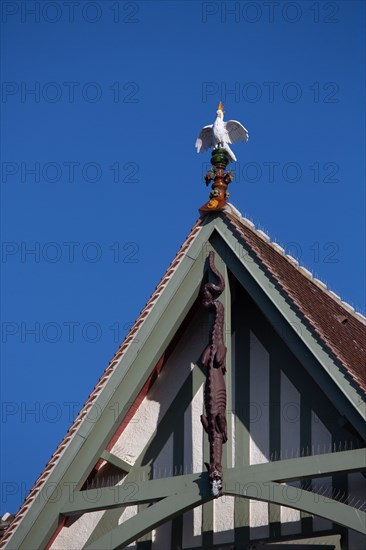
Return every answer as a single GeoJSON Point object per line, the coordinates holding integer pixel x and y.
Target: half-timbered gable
{"type": "Point", "coordinates": [294, 461]}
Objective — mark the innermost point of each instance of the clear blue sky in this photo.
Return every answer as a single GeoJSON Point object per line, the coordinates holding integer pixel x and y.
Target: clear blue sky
{"type": "Point", "coordinates": [120, 93]}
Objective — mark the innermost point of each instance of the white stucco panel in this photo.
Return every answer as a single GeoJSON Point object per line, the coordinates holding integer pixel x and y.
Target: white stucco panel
{"type": "Point", "coordinates": [163, 392]}
{"type": "Point", "coordinates": [76, 535]}
{"type": "Point", "coordinates": [193, 434]}
{"type": "Point", "coordinates": [224, 519]}
{"type": "Point", "coordinates": [258, 519]}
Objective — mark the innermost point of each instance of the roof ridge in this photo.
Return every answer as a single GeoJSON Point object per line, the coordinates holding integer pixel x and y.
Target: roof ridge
{"type": "Point", "coordinates": [230, 209]}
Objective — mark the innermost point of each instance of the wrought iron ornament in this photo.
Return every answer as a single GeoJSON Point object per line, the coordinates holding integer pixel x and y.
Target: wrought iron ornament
{"type": "Point", "coordinates": [213, 360]}
{"type": "Point", "coordinates": [218, 136]}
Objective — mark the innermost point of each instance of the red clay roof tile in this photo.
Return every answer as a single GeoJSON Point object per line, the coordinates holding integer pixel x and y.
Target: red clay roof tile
{"type": "Point", "coordinates": [342, 331]}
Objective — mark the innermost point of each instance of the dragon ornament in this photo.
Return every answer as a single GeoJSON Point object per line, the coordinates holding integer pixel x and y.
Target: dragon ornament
{"type": "Point", "coordinates": [213, 360]}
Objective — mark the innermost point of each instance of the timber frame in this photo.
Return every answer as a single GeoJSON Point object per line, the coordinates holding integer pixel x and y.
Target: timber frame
{"type": "Point", "coordinates": [268, 482]}
{"type": "Point", "coordinates": [63, 495]}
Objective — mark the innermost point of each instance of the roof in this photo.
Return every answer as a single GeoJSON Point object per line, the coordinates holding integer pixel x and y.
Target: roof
{"type": "Point", "coordinates": [338, 328]}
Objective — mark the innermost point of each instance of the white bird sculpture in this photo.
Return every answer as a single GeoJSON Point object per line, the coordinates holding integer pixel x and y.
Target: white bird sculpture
{"type": "Point", "coordinates": [219, 134]}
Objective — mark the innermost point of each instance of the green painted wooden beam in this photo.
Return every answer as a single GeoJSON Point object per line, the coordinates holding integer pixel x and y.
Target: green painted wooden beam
{"type": "Point", "coordinates": [297, 498]}
{"type": "Point", "coordinates": [300, 468]}
{"type": "Point", "coordinates": [116, 461]}
{"type": "Point", "coordinates": [321, 542]}
{"type": "Point", "coordinates": [236, 480]}
{"type": "Point", "coordinates": [274, 511]}
{"type": "Point", "coordinates": [284, 495]}
{"type": "Point", "coordinates": [241, 382]}
{"type": "Point", "coordinates": [149, 519]}
{"type": "Point", "coordinates": [135, 492]}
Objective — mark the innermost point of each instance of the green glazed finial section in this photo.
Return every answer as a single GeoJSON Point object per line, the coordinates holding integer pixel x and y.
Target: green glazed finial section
{"type": "Point", "coordinates": [220, 156]}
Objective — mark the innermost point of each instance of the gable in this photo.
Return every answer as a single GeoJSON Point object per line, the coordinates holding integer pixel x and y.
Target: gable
{"type": "Point", "coordinates": [161, 431]}
{"type": "Point", "coordinates": [275, 412]}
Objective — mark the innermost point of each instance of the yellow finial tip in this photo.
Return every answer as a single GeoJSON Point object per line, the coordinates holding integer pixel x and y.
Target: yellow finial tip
{"type": "Point", "coordinates": [220, 107]}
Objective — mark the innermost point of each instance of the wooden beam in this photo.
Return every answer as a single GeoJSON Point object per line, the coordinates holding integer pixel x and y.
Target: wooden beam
{"type": "Point", "coordinates": [241, 383]}
{"type": "Point", "coordinates": [285, 495]}
{"type": "Point", "coordinates": [236, 481]}
{"type": "Point", "coordinates": [294, 497]}
{"type": "Point", "coordinates": [116, 461]}
{"type": "Point", "coordinates": [328, 464]}
{"type": "Point", "coordinates": [131, 493]}
{"type": "Point", "coordinates": [149, 519]}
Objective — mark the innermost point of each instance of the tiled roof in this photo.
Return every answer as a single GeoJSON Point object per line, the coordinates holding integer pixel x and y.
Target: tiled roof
{"type": "Point", "coordinates": [336, 324]}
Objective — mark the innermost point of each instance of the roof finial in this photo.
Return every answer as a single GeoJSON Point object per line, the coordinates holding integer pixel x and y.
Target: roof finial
{"type": "Point", "coordinates": [218, 136]}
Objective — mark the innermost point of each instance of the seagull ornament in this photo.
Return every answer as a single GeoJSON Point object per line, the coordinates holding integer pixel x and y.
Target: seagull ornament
{"type": "Point", "coordinates": [219, 134]}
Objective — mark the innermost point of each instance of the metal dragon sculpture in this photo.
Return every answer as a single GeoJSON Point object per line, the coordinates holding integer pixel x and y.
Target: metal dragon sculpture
{"type": "Point", "coordinates": [213, 360]}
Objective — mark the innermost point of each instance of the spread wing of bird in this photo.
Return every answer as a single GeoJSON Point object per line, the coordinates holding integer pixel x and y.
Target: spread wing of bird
{"type": "Point", "coordinates": [236, 131]}
{"type": "Point", "coordinates": [205, 140]}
